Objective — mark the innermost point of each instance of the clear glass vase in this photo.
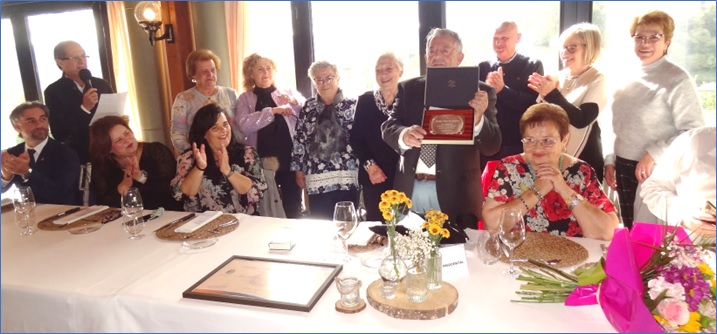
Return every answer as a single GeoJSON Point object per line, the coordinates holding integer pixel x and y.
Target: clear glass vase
{"type": "Point", "coordinates": [392, 270]}
{"type": "Point", "coordinates": [434, 268]}
{"type": "Point", "coordinates": [417, 284]}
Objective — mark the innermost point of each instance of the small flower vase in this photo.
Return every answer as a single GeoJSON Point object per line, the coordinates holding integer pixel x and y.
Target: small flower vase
{"type": "Point", "coordinates": [417, 284]}
{"type": "Point", "coordinates": [434, 268]}
{"type": "Point", "coordinates": [392, 270]}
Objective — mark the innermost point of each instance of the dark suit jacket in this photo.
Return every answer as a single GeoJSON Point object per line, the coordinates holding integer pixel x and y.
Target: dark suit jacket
{"type": "Point", "coordinates": [55, 177]}
{"type": "Point", "coordinates": [458, 171]}
{"type": "Point", "coordinates": [366, 141]}
{"type": "Point", "coordinates": [70, 124]}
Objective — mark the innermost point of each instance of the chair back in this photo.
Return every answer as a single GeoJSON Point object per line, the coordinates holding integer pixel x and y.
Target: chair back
{"type": "Point", "coordinates": [85, 179]}
{"type": "Point", "coordinates": [487, 175]}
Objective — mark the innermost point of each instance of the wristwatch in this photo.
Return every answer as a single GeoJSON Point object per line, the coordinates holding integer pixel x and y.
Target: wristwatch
{"type": "Point", "coordinates": [26, 175]}
{"type": "Point", "coordinates": [142, 179]}
{"type": "Point", "coordinates": [575, 200]}
{"type": "Point", "coordinates": [368, 164]}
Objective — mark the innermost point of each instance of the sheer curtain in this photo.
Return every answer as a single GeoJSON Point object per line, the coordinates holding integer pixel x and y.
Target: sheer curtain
{"type": "Point", "coordinates": [122, 62]}
{"type": "Point", "coordinates": [237, 33]}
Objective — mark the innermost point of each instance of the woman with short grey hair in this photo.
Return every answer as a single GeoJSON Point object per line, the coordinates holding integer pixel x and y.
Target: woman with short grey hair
{"type": "Point", "coordinates": [323, 158]}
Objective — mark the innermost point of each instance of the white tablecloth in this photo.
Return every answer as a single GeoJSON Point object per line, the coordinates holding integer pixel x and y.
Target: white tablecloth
{"type": "Point", "coordinates": [102, 282]}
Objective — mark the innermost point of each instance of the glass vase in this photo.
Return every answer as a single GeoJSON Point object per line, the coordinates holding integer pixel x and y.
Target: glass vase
{"type": "Point", "coordinates": [417, 284]}
{"type": "Point", "coordinates": [434, 268]}
{"type": "Point", "coordinates": [392, 270]}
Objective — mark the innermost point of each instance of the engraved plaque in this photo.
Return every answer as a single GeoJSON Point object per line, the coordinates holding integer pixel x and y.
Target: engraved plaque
{"type": "Point", "coordinates": [446, 125]}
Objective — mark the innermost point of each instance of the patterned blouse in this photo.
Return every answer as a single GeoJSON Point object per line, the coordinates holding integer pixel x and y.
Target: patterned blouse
{"type": "Point", "coordinates": [215, 192]}
{"type": "Point", "coordinates": [186, 105]}
{"type": "Point", "coordinates": [322, 150]}
{"type": "Point", "coordinates": [512, 177]}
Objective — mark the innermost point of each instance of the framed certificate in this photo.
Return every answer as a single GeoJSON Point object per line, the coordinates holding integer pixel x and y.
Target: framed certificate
{"type": "Point", "coordinates": [448, 126]}
{"type": "Point", "coordinates": [266, 282]}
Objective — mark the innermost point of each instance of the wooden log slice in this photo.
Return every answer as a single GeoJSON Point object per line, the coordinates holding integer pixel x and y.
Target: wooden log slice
{"type": "Point", "coordinates": [438, 304]}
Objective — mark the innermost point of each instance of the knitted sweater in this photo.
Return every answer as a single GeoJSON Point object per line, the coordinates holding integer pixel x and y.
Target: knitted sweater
{"type": "Point", "coordinates": [650, 111]}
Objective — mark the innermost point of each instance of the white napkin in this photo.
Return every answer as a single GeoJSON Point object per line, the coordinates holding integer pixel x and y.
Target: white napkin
{"type": "Point", "coordinates": [6, 201]}
{"type": "Point", "coordinates": [362, 235]}
{"type": "Point", "coordinates": [86, 212]}
{"type": "Point", "coordinates": [198, 221]}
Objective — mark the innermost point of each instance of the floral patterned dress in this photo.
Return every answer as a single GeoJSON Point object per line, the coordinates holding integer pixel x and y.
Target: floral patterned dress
{"type": "Point", "coordinates": [215, 192]}
{"type": "Point", "coordinates": [512, 177]}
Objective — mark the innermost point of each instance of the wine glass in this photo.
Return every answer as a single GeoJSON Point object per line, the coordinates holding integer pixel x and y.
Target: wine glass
{"type": "Point", "coordinates": [345, 220]}
{"type": "Point", "coordinates": [512, 233]}
{"type": "Point", "coordinates": [24, 203]}
{"type": "Point", "coordinates": [132, 207]}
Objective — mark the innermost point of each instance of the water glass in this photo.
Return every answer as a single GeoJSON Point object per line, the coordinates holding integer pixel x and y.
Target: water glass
{"type": "Point", "coordinates": [345, 220]}
{"type": "Point", "coordinates": [350, 288]}
{"type": "Point", "coordinates": [488, 247]}
{"type": "Point", "coordinates": [24, 203]}
{"type": "Point", "coordinates": [511, 233]}
{"type": "Point", "coordinates": [132, 208]}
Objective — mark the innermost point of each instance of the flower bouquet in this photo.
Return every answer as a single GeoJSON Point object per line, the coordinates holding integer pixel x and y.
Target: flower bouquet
{"type": "Point", "coordinates": [434, 264]}
{"type": "Point", "coordinates": [394, 206]}
{"type": "Point", "coordinates": [653, 279]}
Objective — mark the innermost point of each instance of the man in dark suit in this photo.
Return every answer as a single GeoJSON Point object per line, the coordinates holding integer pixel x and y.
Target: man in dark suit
{"type": "Point", "coordinates": [508, 74]}
{"type": "Point", "coordinates": [49, 167]}
{"type": "Point", "coordinates": [72, 103]}
{"type": "Point", "coordinates": [446, 177]}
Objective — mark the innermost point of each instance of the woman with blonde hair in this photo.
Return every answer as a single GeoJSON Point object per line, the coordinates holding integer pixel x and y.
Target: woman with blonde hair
{"type": "Point", "coordinates": [201, 67]}
{"type": "Point", "coordinates": [267, 117]}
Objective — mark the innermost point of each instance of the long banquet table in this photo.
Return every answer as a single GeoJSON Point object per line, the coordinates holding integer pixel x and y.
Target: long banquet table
{"type": "Point", "coordinates": [54, 281]}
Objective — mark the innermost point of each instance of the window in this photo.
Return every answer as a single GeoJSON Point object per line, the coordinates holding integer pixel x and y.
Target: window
{"type": "Point", "coordinates": [693, 44]}
{"type": "Point", "coordinates": [352, 35]}
{"type": "Point", "coordinates": [12, 93]}
{"type": "Point", "coordinates": [475, 22]}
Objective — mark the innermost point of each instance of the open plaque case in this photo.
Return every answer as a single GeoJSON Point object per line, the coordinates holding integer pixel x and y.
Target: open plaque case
{"type": "Point", "coordinates": [266, 282]}
{"type": "Point", "coordinates": [447, 117]}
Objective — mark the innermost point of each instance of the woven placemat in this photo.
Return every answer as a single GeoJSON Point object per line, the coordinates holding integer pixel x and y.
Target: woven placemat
{"type": "Point", "coordinates": [548, 247]}
{"type": "Point", "coordinates": [376, 241]}
{"type": "Point", "coordinates": [8, 207]}
{"type": "Point", "coordinates": [215, 228]}
{"type": "Point", "coordinates": [100, 217]}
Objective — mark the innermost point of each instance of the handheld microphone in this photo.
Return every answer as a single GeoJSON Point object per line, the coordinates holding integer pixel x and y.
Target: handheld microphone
{"type": "Point", "coordinates": [86, 75]}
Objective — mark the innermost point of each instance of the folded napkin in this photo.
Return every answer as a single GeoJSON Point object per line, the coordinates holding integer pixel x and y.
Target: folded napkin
{"type": "Point", "coordinates": [363, 234]}
{"type": "Point", "coordinates": [86, 212]}
{"type": "Point", "coordinates": [198, 221]}
{"type": "Point", "coordinates": [6, 201]}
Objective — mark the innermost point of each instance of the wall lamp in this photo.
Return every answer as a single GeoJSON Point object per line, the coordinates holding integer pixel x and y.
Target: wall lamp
{"type": "Point", "coordinates": [149, 15]}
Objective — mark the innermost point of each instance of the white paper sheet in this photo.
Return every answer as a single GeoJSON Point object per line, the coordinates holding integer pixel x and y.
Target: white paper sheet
{"type": "Point", "coordinates": [110, 105]}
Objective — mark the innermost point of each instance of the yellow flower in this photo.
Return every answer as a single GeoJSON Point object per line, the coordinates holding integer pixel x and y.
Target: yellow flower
{"type": "Point", "coordinates": [394, 200]}
{"type": "Point", "coordinates": [387, 215]}
{"type": "Point", "coordinates": [434, 229]}
{"type": "Point", "coordinates": [409, 203]}
{"type": "Point", "coordinates": [424, 225]}
{"type": "Point", "coordinates": [393, 193]}
{"type": "Point", "coordinates": [445, 233]}
{"type": "Point", "coordinates": [385, 196]}
{"type": "Point", "coordinates": [706, 270]}
{"type": "Point", "coordinates": [384, 205]}
{"type": "Point", "coordinates": [693, 325]}
{"type": "Point", "coordinates": [401, 197]}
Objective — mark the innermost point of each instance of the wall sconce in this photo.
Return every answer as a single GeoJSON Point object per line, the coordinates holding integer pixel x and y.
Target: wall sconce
{"type": "Point", "coordinates": [149, 15]}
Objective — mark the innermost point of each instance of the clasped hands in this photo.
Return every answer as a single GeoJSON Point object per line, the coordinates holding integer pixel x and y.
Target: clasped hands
{"type": "Point", "coordinates": [547, 178]}
{"type": "Point", "coordinates": [542, 84]}
{"type": "Point", "coordinates": [14, 165]}
{"type": "Point", "coordinates": [131, 172]}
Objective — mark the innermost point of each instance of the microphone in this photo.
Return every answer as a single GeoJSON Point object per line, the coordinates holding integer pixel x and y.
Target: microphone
{"type": "Point", "coordinates": [86, 75]}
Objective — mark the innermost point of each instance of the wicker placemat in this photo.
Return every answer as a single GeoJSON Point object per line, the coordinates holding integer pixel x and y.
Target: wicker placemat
{"type": "Point", "coordinates": [8, 207]}
{"type": "Point", "coordinates": [376, 241]}
{"type": "Point", "coordinates": [548, 247]}
{"type": "Point", "coordinates": [215, 228]}
{"type": "Point", "coordinates": [100, 217]}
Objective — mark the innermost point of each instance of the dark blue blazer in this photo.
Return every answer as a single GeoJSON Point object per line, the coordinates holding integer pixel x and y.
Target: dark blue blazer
{"type": "Point", "coordinates": [55, 177]}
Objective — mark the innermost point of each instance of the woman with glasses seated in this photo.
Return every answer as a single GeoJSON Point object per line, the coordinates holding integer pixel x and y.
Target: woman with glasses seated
{"type": "Point", "coordinates": [324, 161]}
{"type": "Point", "coordinates": [556, 192]}
{"type": "Point", "coordinates": [218, 173]}
{"type": "Point", "coordinates": [580, 90]}
{"type": "Point", "coordinates": [657, 103]}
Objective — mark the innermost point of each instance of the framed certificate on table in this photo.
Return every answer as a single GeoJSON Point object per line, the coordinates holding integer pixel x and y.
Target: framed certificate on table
{"type": "Point", "coordinates": [447, 117]}
{"type": "Point", "coordinates": [266, 282]}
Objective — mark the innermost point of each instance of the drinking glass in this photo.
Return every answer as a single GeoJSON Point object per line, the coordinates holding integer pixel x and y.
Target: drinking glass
{"type": "Point", "coordinates": [132, 208]}
{"type": "Point", "coordinates": [24, 203]}
{"type": "Point", "coordinates": [345, 220]}
{"type": "Point", "coordinates": [512, 234]}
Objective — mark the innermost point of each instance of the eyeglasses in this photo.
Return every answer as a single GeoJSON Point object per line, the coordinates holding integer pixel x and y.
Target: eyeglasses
{"type": "Point", "coordinates": [264, 69]}
{"type": "Point", "coordinates": [76, 58]}
{"type": "Point", "coordinates": [572, 48]}
{"type": "Point", "coordinates": [326, 80]}
{"type": "Point", "coordinates": [650, 39]}
{"type": "Point", "coordinates": [545, 142]}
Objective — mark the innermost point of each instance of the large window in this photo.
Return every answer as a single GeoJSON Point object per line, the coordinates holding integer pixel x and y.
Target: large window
{"type": "Point", "coordinates": [12, 92]}
{"type": "Point", "coordinates": [693, 44]}
{"type": "Point", "coordinates": [352, 35]}
{"type": "Point", "coordinates": [476, 21]}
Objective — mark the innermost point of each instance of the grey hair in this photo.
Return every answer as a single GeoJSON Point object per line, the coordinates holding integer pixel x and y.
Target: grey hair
{"type": "Point", "coordinates": [19, 110]}
{"type": "Point", "coordinates": [393, 57]}
{"type": "Point", "coordinates": [440, 32]}
{"type": "Point", "coordinates": [322, 65]}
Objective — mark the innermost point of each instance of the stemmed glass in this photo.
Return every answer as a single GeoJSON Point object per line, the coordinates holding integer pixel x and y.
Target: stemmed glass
{"type": "Point", "coordinates": [345, 220]}
{"type": "Point", "coordinates": [24, 203]}
{"type": "Point", "coordinates": [512, 234]}
{"type": "Point", "coordinates": [132, 208]}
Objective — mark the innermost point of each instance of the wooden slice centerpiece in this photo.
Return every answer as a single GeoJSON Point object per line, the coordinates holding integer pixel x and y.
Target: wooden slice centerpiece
{"type": "Point", "coordinates": [438, 304]}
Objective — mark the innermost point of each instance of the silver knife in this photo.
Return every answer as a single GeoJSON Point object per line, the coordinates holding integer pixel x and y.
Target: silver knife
{"type": "Point", "coordinates": [63, 213]}
{"type": "Point", "coordinates": [177, 221]}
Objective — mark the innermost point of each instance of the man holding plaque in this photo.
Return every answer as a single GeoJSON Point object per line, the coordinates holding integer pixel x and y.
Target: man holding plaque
{"type": "Point", "coordinates": [446, 177]}
{"type": "Point", "coordinates": [508, 74]}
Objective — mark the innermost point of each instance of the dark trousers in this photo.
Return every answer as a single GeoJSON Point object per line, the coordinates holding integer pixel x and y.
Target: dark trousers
{"type": "Point", "coordinates": [626, 188]}
{"type": "Point", "coordinates": [290, 193]}
{"type": "Point", "coordinates": [321, 206]}
{"type": "Point", "coordinates": [371, 198]}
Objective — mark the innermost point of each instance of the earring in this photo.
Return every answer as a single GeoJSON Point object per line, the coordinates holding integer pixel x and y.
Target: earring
{"type": "Point", "coordinates": [194, 80]}
{"type": "Point", "coordinates": [565, 149]}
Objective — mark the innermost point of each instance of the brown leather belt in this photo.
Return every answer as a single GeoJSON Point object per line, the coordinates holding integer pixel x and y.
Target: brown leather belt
{"type": "Point", "coordinates": [425, 177]}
